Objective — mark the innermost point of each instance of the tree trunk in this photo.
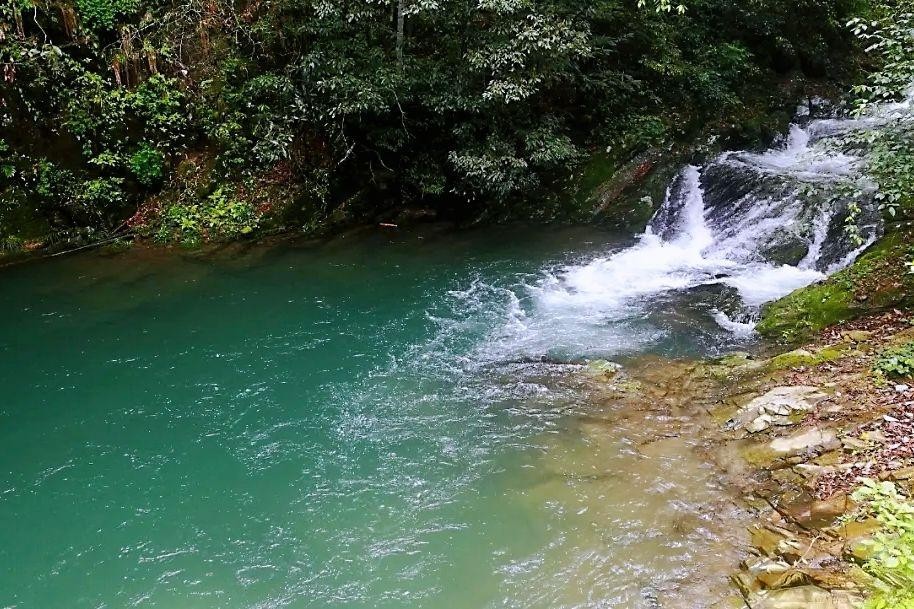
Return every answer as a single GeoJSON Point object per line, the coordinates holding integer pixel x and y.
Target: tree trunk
{"type": "Point", "coordinates": [400, 18]}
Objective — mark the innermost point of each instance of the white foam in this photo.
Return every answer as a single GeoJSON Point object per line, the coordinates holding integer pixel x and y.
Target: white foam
{"type": "Point", "coordinates": [761, 283]}
{"type": "Point", "coordinates": [738, 328]}
{"type": "Point", "coordinates": [610, 303]}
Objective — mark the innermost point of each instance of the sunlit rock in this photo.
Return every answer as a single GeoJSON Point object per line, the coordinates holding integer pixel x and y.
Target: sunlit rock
{"type": "Point", "coordinates": [780, 406]}
{"type": "Point", "coordinates": [803, 597]}
{"type": "Point", "coordinates": [811, 440]}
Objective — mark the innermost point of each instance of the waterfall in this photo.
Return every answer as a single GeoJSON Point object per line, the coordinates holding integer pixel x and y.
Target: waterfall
{"type": "Point", "coordinates": [741, 230]}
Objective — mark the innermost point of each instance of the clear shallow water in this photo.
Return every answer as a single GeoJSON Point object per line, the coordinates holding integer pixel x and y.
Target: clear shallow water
{"type": "Point", "coordinates": [327, 426]}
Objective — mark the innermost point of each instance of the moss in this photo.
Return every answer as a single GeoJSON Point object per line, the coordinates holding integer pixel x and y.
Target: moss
{"type": "Point", "coordinates": [599, 169]}
{"type": "Point", "coordinates": [621, 193]}
{"type": "Point", "coordinates": [802, 357]}
{"type": "Point", "coordinates": [877, 281]}
{"type": "Point", "coordinates": [759, 455]}
{"type": "Point", "coordinates": [738, 358]}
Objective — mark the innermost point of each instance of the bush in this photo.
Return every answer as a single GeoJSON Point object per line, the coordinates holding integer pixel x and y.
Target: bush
{"type": "Point", "coordinates": [220, 216]}
{"type": "Point", "coordinates": [103, 14]}
{"type": "Point", "coordinates": [891, 562]}
{"type": "Point", "coordinates": [148, 165]}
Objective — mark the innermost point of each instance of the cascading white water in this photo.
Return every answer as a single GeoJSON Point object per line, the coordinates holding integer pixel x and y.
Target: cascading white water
{"type": "Point", "coordinates": [742, 230]}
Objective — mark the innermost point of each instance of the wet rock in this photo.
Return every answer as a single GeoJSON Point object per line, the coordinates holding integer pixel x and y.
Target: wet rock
{"type": "Point", "coordinates": [760, 423]}
{"type": "Point", "coordinates": [905, 473]}
{"type": "Point", "coordinates": [732, 360]}
{"type": "Point", "coordinates": [786, 247]}
{"type": "Point", "coordinates": [809, 470]}
{"type": "Point", "coordinates": [769, 574]}
{"type": "Point", "coordinates": [803, 597]}
{"type": "Point", "coordinates": [855, 530]}
{"type": "Point", "coordinates": [819, 514]}
{"type": "Point", "coordinates": [832, 457]}
{"type": "Point", "coordinates": [602, 369]}
{"type": "Point", "coordinates": [731, 368]}
{"type": "Point", "coordinates": [716, 296]}
{"type": "Point", "coordinates": [780, 406]}
{"type": "Point", "coordinates": [837, 579]}
{"type": "Point", "coordinates": [811, 440]}
{"type": "Point", "coordinates": [767, 539]}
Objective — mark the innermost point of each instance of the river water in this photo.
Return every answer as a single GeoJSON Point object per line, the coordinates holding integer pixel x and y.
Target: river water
{"type": "Point", "coordinates": [396, 419]}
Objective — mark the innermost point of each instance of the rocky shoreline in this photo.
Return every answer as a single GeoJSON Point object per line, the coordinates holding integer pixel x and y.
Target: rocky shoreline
{"type": "Point", "coordinates": [809, 424]}
{"type": "Point", "coordinates": [795, 433]}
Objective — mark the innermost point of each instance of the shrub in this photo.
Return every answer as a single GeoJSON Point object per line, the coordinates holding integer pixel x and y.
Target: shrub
{"type": "Point", "coordinates": [220, 216]}
{"type": "Point", "coordinates": [891, 562]}
{"type": "Point", "coordinates": [102, 14]}
{"type": "Point", "coordinates": [148, 165]}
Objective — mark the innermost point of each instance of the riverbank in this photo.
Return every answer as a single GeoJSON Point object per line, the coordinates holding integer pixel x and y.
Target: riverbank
{"type": "Point", "coordinates": [794, 434]}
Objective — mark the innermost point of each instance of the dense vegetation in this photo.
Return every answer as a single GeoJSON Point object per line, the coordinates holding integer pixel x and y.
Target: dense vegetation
{"type": "Point", "coordinates": [189, 120]}
{"type": "Point", "coordinates": [891, 550]}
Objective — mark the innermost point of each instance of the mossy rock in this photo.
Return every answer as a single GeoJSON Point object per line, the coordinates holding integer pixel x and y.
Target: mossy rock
{"type": "Point", "coordinates": [802, 357]}
{"type": "Point", "coordinates": [760, 455]}
{"type": "Point", "coordinates": [624, 194]}
{"type": "Point", "coordinates": [733, 360]}
{"type": "Point", "coordinates": [731, 365]}
{"type": "Point", "coordinates": [875, 282]}
{"type": "Point", "coordinates": [602, 369]}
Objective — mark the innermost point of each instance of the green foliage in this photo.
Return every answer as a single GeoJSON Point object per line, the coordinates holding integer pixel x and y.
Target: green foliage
{"type": "Point", "coordinates": [891, 560]}
{"type": "Point", "coordinates": [642, 131]}
{"type": "Point", "coordinates": [896, 362]}
{"type": "Point", "coordinates": [665, 6]}
{"type": "Point", "coordinates": [889, 38]}
{"type": "Point", "coordinates": [891, 163]}
{"type": "Point", "coordinates": [472, 109]}
{"type": "Point", "coordinates": [219, 216]}
{"type": "Point", "coordinates": [100, 194]}
{"type": "Point", "coordinates": [11, 244]}
{"type": "Point", "coordinates": [160, 106]}
{"type": "Point", "coordinates": [148, 165]}
{"type": "Point", "coordinates": [104, 13]}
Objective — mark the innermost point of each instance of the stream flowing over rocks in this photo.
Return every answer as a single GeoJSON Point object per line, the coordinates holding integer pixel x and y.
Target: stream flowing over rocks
{"type": "Point", "coordinates": [743, 229]}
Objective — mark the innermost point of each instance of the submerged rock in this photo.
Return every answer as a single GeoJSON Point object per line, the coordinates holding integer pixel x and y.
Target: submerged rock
{"type": "Point", "coordinates": [601, 368]}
